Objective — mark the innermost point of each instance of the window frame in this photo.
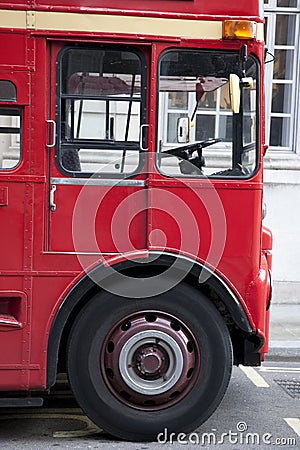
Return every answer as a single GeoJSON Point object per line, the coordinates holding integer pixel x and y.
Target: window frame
{"type": "Point", "coordinates": [91, 144]}
{"type": "Point", "coordinates": [220, 153]}
{"type": "Point", "coordinates": [14, 111]}
{"type": "Point", "coordinates": [9, 99]}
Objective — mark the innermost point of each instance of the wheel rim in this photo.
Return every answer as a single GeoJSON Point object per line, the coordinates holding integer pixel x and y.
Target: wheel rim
{"type": "Point", "coordinates": [150, 360]}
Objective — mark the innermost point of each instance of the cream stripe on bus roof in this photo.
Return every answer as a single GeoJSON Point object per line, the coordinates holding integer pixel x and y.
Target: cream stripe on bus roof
{"type": "Point", "coordinates": [61, 21]}
{"type": "Point", "coordinates": [129, 24]}
{"type": "Point", "coordinates": [123, 24]}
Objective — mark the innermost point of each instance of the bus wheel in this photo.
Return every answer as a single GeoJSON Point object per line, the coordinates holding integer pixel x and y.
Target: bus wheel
{"type": "Point", "coordinates": [142, 367]}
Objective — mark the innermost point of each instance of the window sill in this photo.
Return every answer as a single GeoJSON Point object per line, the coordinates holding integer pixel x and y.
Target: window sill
{"type": "Point", "coordinates": [282, 169]}
{"type": "Point", "coordinates": [281, 161]}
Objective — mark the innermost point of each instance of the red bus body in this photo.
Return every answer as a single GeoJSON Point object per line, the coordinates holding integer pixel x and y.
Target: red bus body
{"type": "Point", "coordinates": [63, 236]}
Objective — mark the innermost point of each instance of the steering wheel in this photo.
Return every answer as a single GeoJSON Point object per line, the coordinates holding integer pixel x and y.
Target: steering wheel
{"type": "Point", "coordinates": [186, 151]}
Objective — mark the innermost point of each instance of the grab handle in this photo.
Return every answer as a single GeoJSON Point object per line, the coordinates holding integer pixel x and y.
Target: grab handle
{"type": "Point", "coordinates": [52, 141]}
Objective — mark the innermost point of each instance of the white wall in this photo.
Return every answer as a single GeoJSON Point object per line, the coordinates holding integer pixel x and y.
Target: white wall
{"type": "Point", "coordinates": [282, 196]}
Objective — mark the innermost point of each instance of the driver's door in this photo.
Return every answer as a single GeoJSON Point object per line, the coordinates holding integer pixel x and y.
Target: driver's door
{"type": "Point", "coordinates": [205, 156]}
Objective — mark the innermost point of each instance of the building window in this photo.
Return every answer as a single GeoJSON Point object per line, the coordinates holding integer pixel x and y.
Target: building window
{"type": "Point", "coordinates": [282, 74]}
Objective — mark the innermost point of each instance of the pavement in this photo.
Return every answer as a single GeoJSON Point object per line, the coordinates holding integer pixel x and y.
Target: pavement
{"type": "Point", "coordinates": [284, 332]}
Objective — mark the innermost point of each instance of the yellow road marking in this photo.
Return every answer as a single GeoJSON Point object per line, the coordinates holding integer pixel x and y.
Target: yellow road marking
{"type": "Point", "coordinates": [280, 369]}
{"type": "Point", "coordinates": [256, 379]}
{"type": "Point", "coordinates": [294, 424]}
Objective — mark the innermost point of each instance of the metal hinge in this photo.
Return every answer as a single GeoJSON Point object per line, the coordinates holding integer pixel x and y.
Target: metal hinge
{"type": "Point", "coordinates": [30, 19]}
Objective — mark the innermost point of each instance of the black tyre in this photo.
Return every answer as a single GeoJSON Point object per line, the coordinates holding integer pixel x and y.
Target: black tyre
{"type": "Point", "coordinates": [138, 367]}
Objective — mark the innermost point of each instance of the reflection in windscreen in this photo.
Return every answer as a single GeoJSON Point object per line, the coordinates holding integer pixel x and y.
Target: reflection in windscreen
{"type": "Point", "coordinates": [194, 84]}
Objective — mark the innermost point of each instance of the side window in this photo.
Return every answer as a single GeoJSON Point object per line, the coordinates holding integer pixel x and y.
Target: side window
{"type": "Point", "coordinates": [101, 110]}
{"type": "Point", "coordinates": [10, 133]}
{"type": "Point", "coordinates": [8, 92]}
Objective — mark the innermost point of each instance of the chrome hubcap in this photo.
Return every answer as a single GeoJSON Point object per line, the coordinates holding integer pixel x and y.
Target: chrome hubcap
{"type": "Point", "coordinates": [151, 362]}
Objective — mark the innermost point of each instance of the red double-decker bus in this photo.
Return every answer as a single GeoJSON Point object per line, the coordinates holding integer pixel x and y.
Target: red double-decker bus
{"type": "Point", "coordinates": [133, 255]}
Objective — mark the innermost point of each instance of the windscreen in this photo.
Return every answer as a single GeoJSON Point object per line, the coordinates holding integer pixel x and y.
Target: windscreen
{"type": "Point", "coordinates": [198, 132]}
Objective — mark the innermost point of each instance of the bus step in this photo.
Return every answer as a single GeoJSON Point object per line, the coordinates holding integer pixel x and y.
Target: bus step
{"type": "Point", "coordinates": [14, 402]}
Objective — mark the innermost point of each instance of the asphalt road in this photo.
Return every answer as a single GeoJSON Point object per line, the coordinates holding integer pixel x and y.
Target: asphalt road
{"type": "Point", "coordinates": [260, 411]}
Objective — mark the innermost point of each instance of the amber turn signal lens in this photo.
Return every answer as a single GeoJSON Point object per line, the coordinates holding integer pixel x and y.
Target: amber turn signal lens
{"type": "Point", "coordinates": [239, 29]}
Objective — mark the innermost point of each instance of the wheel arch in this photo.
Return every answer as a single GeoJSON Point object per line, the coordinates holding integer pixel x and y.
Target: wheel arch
{"type": "Point", "coordinates": [213, 286]}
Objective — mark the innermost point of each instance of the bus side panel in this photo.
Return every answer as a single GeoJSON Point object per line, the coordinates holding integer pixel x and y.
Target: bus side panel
{"type": "Point", "coordinates": [228, 220]}
{"type": "Point", "coordinates": [13, 49]}
{"type": "Point", "coordinates": [197, 6]}
{"type": "Point", "coordinates": [14, 4]}
{"type": "Point", "coordinates": [12, 226]}
{"type": "Point", "coordinates": [13, 308]}
{"type": "Point", "coordinates": [48, 292]}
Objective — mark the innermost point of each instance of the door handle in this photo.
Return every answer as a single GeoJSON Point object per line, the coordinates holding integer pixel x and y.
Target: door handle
{"type": "Point", "coordinates": [52, 203]}
{"type": "Point", "coordinates": [142, 133]}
